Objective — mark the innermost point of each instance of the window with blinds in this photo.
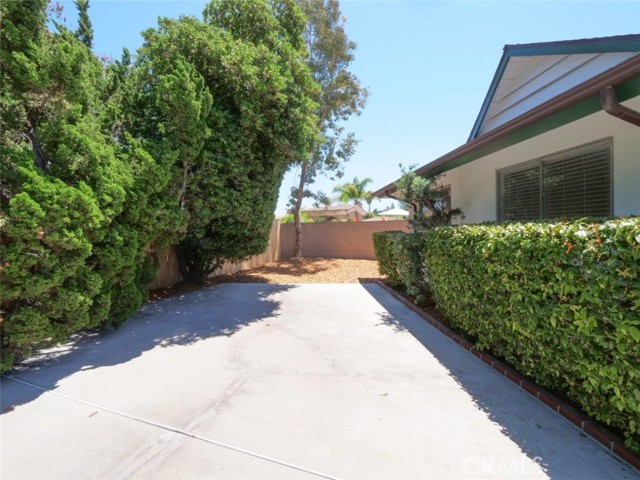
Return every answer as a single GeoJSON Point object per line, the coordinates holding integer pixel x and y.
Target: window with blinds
{"type": "Point", "coordinates": [521, 194]}
{"type": "Point", "coordinates": [576, 183]}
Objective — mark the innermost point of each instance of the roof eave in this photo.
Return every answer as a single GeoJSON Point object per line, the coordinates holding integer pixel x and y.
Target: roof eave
{"type": "Point", "coordinates": [490, 93]}
{"type": "Point", "coordinates": [615, 76]}
{"type": "Point", "coordinates": [620, 43]}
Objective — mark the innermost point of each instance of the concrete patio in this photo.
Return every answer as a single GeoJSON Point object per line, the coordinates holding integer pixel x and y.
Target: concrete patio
{"type": "Point", "coordinates": [260, 381]}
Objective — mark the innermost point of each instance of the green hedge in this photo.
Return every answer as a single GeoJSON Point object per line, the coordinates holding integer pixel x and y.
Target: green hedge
{"type": "Point", "coordinates": [558, 301]}
{"type": "Point", "coordinates": [382, 244]}
{"type": "Point", "coordinates": [399, 257]}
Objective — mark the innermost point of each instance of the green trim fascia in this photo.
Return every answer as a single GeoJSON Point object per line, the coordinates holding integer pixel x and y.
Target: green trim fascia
{"type": "Point", "coordinates": [602, 46]}
{"type": "Point", "coordinates": [628, 89]}
{"type": "Point", "coordinates": [589, 106]}
{"type": "Point", "coordinates": [490, 93]}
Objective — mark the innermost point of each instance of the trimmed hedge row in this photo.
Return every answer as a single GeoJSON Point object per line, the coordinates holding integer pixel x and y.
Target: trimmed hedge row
{"type": "Point", "coordinates": [558, 301]}
{"type": "Point", "coordinates": [382, 245]}
{"type": "Point", "coordinates": [399, 256]}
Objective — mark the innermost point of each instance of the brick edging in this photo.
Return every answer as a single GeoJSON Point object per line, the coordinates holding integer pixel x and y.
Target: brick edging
{"type": "Point", "coordinates": [590, 427]}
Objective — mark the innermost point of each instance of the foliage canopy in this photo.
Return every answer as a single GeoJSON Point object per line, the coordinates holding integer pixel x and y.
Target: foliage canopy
{"type": "Point", "coordinates": [105, 166]}
{"type": "Point", "coordinates": [354, 191]}
{"type": "Point", "coordinates": [247, 57]}
{"type": "Point", "coordinates": [428, 197]}
{"type": "Point", "coordinates": [339, 97]}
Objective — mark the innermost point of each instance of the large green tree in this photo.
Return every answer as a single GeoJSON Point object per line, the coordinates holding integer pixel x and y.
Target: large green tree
{"type": "Point", "coordinates": [62, 183]}
{"type": "Point", "coordinates": [80, 210]}
{"type": "Point", "coordinates": [341, 96]}
{"type": "Point", "coordinates": [84, 33]}
{"type": "Point", "coordinates": [248, 57]}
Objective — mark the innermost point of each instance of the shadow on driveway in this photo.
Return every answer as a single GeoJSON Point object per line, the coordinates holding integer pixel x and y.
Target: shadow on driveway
{"type": "Point", "coordinates": [177, 321]}
{"type": "Point", "coordinates": [542, 435]}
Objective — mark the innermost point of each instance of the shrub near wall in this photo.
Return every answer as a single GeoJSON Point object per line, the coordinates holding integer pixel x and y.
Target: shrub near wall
{"type": "Point", "coordinates": [383, 245]}
{"type": "Point", "coordinates": [399, 256]}
{"type": "Point", "coordinates": [560, 302]}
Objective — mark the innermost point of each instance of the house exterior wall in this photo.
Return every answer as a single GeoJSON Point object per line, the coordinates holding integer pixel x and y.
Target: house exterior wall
{"type": "Point", "coordinates": [474, 185]}
{"type": "Point", "coordinates": [530, 81]}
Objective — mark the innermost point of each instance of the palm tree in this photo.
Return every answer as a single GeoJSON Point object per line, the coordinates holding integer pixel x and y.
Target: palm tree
{"type": "Point", "coordinates": [355, 191]}
{"type": "Point", "coordinates": [368, 197]}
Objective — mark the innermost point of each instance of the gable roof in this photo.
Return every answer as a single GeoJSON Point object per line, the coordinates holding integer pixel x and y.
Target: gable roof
{"type": "Point", "coordinates": [529, 74]}
{"type": "Point", "coordinates": [568, 106]}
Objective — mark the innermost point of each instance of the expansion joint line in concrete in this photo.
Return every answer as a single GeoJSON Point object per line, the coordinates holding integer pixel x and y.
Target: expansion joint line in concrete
{"type": "Point", "coordinates": [178, 431]}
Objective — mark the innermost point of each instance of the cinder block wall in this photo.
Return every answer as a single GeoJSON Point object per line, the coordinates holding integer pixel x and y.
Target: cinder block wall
{"type": "Point", "coordinates": [336, 239]}
{"type": "Point", "coordinates": [333, 240]}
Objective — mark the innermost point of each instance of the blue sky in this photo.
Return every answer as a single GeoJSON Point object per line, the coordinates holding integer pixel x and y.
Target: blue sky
{"type": "Point", "coordinates": [427, 64]}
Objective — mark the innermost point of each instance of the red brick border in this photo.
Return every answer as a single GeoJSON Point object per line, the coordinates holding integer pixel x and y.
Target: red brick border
{"type": "Point", "coordinates": [598, 432]}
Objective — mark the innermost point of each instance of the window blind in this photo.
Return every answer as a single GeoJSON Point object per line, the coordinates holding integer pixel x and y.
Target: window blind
{"type": "Point", "coordinates": [578, 186]}
{"type": "Point", "coordinates": [521, 194]}
{"type": "Point", "coordinates": [571, 184]}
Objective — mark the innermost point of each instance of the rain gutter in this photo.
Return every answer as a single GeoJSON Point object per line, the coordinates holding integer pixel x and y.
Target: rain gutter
{"type": "Point", "coordinates": [609, 101]}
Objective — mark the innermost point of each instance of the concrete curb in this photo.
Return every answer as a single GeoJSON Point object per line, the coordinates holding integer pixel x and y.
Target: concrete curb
{"type": "Point", "coordinates": [589, 426]}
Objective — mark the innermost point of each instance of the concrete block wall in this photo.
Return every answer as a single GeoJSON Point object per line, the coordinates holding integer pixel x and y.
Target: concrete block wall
{"type": "Point", "coordinates": [336, 239]}
{"type": "Point", "coordinates": [331, 240]}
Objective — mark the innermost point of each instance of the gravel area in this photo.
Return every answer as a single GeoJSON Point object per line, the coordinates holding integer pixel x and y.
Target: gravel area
{"type": "Point", "coordinates": [304, 270]}
{"type": "Point", "coordinates": [307, 270]}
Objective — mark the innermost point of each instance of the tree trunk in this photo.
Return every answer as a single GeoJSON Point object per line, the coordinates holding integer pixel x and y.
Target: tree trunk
{"type": "Point", "coordinates": [190, 270]}
{"type": "Point", "coordinates": [198, 278]}
{"type": "Point", "coordinates": [182, 262]}
{"type": "Point", "coordinates": [297, 252]}
{"type": "Point", "coordinates": [41, 157]}
{"type": "Point", "coordinates": [183, 187]}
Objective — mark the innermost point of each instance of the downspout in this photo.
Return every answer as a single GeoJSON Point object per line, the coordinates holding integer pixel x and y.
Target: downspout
{"type": "Point", "coordinates": [610, 105]}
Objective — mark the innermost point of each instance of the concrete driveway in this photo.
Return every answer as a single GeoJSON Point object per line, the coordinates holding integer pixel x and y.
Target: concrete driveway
{"type": "Point", "coordinates": [258, 381]}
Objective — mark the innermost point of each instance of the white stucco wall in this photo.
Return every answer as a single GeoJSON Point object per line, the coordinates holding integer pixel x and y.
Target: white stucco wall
{"type": "Point", "coordinates": [474, 185]}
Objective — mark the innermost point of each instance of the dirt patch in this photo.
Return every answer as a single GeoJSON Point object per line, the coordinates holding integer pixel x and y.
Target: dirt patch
{"type": "Point", "coordinates": [305, 270]}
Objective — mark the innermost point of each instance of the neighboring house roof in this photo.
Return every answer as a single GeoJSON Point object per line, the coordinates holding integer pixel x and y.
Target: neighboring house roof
{"type": "Point", "coordinates": [337, 211]}
{"type": "Point", "coordinates": [394, 212]}
{"type": "Point", "coordinates": [557, 100]}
